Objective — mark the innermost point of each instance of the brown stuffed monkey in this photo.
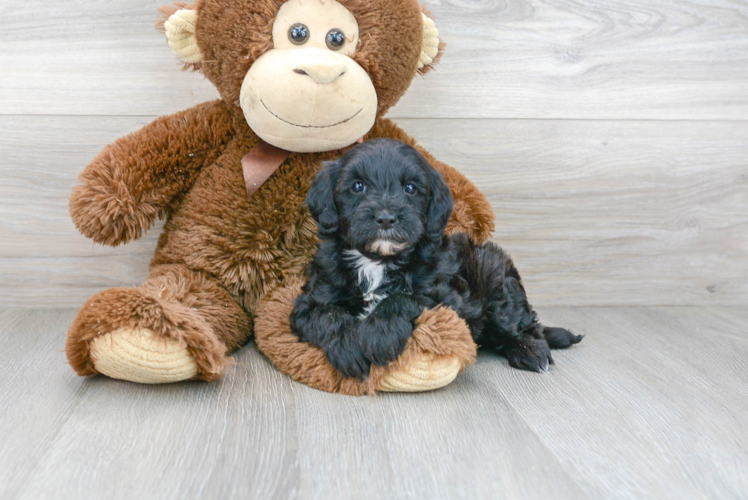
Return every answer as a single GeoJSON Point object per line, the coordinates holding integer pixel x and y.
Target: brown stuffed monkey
{"type": "Point", "coordinates": [299, 81]}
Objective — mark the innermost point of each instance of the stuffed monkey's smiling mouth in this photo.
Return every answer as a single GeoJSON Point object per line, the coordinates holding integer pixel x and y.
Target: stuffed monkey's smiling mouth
{"type": "Point", "coordinates": [311, 126]}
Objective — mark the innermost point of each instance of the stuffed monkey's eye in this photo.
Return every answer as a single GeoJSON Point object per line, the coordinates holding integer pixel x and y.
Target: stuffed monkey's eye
{"type": "Point", "coordinates": [358, 187]}
{"type": "Point", "coordinates": [409, 188]}
{"type": "Point", "coordinates": [335, 39]}
{"type": "Point", "coordinates": [298, 34]}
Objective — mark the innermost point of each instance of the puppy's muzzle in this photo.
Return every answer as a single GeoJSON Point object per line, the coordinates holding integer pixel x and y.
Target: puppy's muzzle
{"type": "Point", "coordinates": [386, 247]}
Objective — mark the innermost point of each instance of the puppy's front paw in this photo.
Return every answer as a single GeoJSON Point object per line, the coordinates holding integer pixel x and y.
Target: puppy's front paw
{"type": "Point", "coordinates": [349, 363]}
{"type": "Point", "coordinates": [383, 341]}
{"type": "Point", "coordinates": [529, 354]}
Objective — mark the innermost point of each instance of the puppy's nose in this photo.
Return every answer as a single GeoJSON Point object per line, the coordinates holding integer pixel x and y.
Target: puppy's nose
{"type": "Point", "coordinates": [386, 220]}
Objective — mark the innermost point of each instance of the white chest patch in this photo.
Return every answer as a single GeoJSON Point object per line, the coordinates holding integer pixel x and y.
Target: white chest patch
{"type": "Point", "coordinates": [371, 275]}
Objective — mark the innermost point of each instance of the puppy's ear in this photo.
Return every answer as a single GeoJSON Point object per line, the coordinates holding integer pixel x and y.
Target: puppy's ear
{"type": "Point", "coordinates": [440, 203]}
{"type": "Point", "coordinates": [321, 197]}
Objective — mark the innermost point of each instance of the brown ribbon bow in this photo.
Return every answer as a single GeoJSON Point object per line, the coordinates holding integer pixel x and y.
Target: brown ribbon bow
{"type": "Point", "coordinates": [263, 160]}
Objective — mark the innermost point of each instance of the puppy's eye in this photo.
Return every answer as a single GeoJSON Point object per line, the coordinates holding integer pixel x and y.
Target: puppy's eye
{"type": "Point", "coordinates": [358, 187]}
{"type": "Point", "coordinates": [409, 188]}
{"type": "Point", "coordinates": [298, 34]}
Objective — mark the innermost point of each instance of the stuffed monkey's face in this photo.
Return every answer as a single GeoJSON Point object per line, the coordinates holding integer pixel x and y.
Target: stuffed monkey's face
{"type": "Point", "coordinates": [306, 94]}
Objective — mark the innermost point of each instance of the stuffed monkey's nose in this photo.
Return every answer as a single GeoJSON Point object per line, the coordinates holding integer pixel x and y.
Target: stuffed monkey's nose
{"type": "Point", "coordinates": [322, 66]}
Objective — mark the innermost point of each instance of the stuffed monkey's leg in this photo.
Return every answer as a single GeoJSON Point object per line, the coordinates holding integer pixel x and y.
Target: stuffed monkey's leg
{"type": "Point", "coordinates": [178, 325]}
{"type": "Point", "coordinates": [439, 348]}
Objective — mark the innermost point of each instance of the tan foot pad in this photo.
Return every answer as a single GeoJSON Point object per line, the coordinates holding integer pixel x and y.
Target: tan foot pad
{"type": "Point", "coordinates": [139, 355]}
{"type": "Point", "coordinates": [425, 374]}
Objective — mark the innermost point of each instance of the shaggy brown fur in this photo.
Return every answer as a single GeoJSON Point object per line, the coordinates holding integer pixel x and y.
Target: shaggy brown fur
{"type": "Point", "coordinates": [222, 252]}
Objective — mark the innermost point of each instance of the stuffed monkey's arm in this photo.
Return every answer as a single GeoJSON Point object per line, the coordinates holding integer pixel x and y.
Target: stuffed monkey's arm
{"type": "Point", "coordinates": [135, 179]}
{"type": "Point", "coordinates": [472, 212]}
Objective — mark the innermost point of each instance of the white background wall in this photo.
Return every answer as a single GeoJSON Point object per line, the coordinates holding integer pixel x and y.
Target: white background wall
{"type": "Point", "coordinates": [610, 136]}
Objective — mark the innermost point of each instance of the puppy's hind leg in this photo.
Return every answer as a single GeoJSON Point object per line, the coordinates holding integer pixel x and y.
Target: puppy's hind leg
{"type": "Point", "coordinates": [526, 342]}
{"type": "Point", "coordinates": [513, 330]}
{"type": "Point", "coordinates": [508, 322]}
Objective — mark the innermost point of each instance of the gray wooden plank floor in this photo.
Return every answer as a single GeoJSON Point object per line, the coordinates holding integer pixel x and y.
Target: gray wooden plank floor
{"type": "Point", "coordinates": [653, 404]}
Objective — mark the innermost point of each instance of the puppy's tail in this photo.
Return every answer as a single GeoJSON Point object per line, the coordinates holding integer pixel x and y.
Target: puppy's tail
{"type": "Point", "coordinates": [560, 338]}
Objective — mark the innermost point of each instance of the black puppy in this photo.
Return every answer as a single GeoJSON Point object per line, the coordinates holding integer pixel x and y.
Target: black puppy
{"type": "Point", "coordinates": [381, 211]}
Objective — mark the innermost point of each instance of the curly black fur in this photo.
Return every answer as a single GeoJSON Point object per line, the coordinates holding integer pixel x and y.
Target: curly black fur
{"type": "Point", "coordinates": [381, 211]}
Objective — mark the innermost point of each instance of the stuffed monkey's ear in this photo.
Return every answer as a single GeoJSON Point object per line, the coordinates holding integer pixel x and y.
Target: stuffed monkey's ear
{"type": "Point", "coordinates": [180, 34]}
{"type": "Point", "coordinates": [431, 46]}
{"type": "Point", "coordinates": [321, 198]}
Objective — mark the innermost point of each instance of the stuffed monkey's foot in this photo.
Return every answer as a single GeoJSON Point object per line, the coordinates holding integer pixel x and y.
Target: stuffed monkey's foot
{"type": "Point", "coordinates": [440, 347]}
{"type": "Point", "coordinates": [140, 355]}
{"type": "Point", "coordinates": [422, 374]}
{"type": "Point", "coordinates": [437, 351]}
{"type": "Point", "coordinates": [128, 334]}
{"type": "Point", "coordinates": [178, 325]}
